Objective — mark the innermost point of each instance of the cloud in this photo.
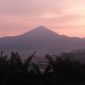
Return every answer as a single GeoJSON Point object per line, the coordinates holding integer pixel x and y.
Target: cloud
{"type": "Point", "coordinates": [58, 14]}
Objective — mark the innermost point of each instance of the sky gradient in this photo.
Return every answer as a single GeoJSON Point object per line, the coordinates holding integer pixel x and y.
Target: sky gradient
{"type": "Point", "coordinates": [62, 16]}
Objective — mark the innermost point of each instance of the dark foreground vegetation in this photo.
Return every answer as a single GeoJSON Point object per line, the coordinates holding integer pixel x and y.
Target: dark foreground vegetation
{"type": "Point", "coordinates": [59, 71]}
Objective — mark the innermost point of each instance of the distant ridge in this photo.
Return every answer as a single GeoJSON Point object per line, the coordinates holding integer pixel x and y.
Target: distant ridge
{"type": "Point", "coordinates": [42, 40]}
{"type": "Point", "coordinates": [40, 29]}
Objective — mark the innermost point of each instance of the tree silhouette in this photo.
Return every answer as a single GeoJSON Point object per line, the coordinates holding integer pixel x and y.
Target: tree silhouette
{"type": "Point", "coordinates": [61, 70]}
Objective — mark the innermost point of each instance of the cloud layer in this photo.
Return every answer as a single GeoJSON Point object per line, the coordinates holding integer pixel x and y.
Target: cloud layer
{"type": "Point", "coordinates": [63, 16]}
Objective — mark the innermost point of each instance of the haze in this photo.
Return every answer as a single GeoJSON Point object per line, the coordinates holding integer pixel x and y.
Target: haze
{"type": "Point", "coordinates": [62, 16]}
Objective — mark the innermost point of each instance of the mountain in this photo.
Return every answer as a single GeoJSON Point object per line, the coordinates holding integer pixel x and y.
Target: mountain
{"type": "Point", "coordinates": [42, 40]}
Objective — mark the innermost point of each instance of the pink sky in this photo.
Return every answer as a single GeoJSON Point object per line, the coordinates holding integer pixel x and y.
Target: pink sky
{"type": "Point", "coordinates": [62, 16]}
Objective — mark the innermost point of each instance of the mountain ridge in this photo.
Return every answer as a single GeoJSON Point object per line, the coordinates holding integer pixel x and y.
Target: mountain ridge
{"type": "Point", "coordinates": [41, 39]}
{"type": "Point", "coordinates": [41, 28]}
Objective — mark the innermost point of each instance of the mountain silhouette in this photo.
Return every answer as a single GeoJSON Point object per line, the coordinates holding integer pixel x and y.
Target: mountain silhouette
{"type": "Point", "coordinates": [42, 40]}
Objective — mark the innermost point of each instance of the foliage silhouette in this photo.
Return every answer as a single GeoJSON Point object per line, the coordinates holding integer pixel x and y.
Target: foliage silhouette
{"type": "Point", "coordinates": [64, 71]}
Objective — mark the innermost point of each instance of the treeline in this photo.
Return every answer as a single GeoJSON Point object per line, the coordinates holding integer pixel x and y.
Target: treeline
{"type": "Point", "coordinates": [59, 71]}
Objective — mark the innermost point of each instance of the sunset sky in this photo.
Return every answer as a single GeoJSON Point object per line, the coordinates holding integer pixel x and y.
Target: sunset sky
{"type": "Point", "coordinates": [62, 16]}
